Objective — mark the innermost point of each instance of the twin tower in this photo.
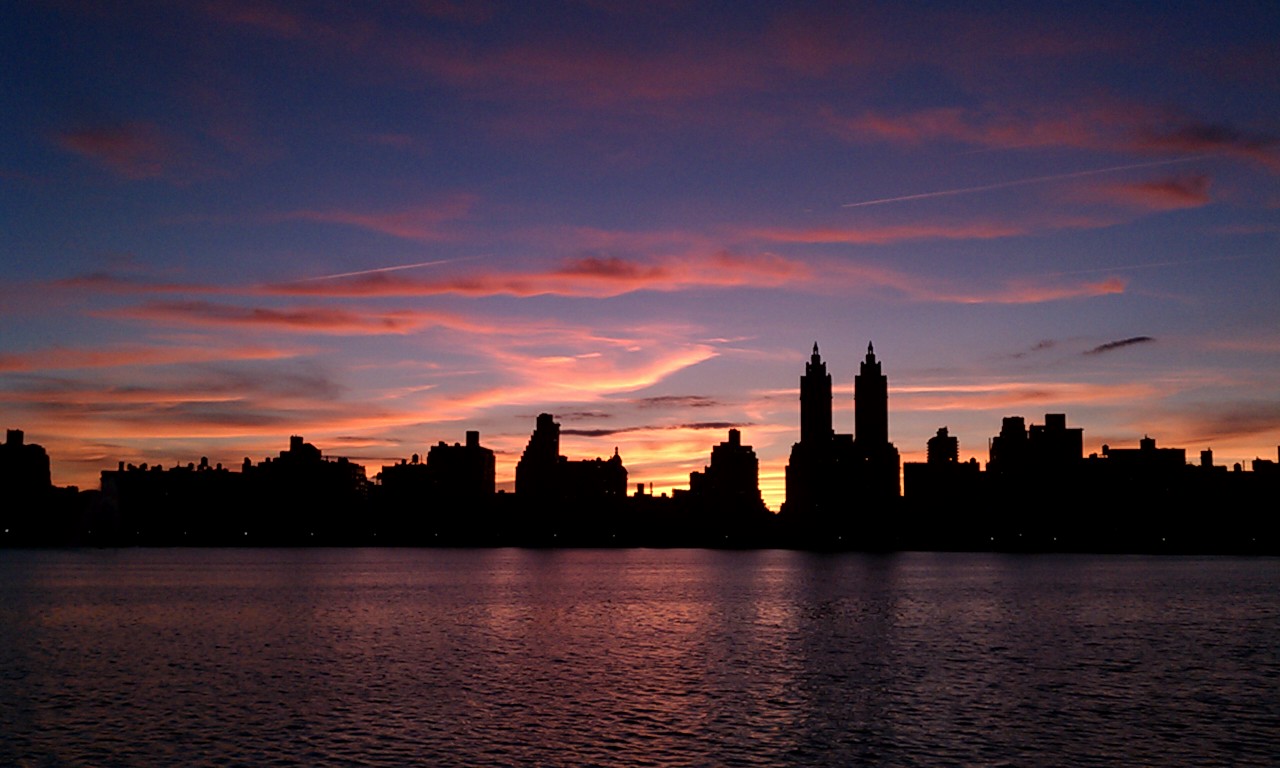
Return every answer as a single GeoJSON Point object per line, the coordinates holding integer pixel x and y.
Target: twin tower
{"type": "Point", "coordinates": [832, 476]}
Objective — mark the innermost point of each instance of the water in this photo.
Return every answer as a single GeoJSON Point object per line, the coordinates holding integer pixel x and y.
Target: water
{"type": "Point", "coordinates": [632, 658]}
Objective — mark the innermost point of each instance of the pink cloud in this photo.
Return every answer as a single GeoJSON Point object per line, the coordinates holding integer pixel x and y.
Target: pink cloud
{"type": "Point", "coordinates": [886, 234]}
{"type": "Point", "coordinates": [590, 276]}
{"type": "Point", "coordinates": [135, 150]}
{"type": "Point", "coordinates": [1191, 136]}
{"type": "Point", "coordinates": [131, 355]}
{"type": "Point", "coordinates": [1168, 194]}
{"type": "Point", "coordinates": [1095, 128]}
{"type": "Point", "coordinates": [1110, 127]}
{"type": "Point", "coordinates": [424, 222]}
{"type": "Point", "coordinates": [325, 320]}
{"type": "Point", "coordinates": [1017, 395]}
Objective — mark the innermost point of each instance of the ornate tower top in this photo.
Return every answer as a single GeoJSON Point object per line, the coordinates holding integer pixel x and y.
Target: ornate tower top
{"type": "Point", "coordinates": [815, 401]}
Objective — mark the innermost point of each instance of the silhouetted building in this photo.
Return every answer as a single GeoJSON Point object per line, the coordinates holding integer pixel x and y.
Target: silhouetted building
{"type": "Point", "coordinates": [1267, 467]}
{"type": "Point", "coordinates": [186, 504]}
{"type": "Point", "coordinates": [726, 493]}
{"type": "Point", "coordinates": [878, 476]}
{"type": "Point", "coordinates": [462, 472]}
{"type": "Point", "coordinates": [942, 448]}
{"type": "Point", "coordinates": [538, 471]}
{"type": "Point", "coordinates": [26, 491]}
{"type": "Point", "coordinates": [304, 496]}
{"type": "Point", "coordinates": [24, 467]}
{"type": "Point", "coordinates": [449, 496]}
{"type": "Point", "coordinates": [1147, 456]}
{"type": "Point", "coordinates": [564, 501]}
{"type": "Point", "coordinates": [1007, 451]}
{"type": "Point", "coordinates": [839, 485]}
{"type": "Point", "coordinates": [817, 491]}
{"type": "Point", "coordinates": [1053, 443]}
{"type": "Point", "coordinates": [937, 487]}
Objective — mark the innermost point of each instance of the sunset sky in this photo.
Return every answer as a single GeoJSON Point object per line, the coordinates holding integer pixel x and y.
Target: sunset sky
{"type": "Point", "coordinates": [226, 222]}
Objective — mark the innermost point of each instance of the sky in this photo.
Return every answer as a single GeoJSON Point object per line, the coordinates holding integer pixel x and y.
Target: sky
{"type": "Point", "coordinates": [379, 225]}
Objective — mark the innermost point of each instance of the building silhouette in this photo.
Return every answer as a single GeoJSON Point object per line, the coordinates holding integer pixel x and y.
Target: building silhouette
{"type": "Point", "coordinates": [1038, 493]}
{"type": "Point", "coordinates": [877, 478]}
{"type": "Point", "coordinates": [26, 490]}
{"type": "Point", "coordinates": [421, 501]}
{"type": "Point", "coordinates": [723, 505]}
{"type": "Point", "coordinates": [840, 485]}
{"type": "Point", "coordinates": [306, 497]}
{"type": "Point", "coordinates": [568, 502]}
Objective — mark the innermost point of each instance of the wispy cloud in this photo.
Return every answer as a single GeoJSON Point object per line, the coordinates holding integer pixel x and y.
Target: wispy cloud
{"type": "Point", "coordinates": [325, 320]}
{"type": "Point", "coordinates": [1168, 194]}
{"type": "Point", "coordinates": [1132, 128]}
{"type": "Point", "coordinates": [590, 276]}
{"type": "Point", "coordinates": [138, 355]}
{"type": "Point", "coordinates": [1027, 181]}
{"type": "Point", "coordinates": [676, 401]}
{"type": "Point", "coordinates": [1014, 395]}
{"type": "Point", "coordinates": [424, 223]}
{"type": "Point", "coordinates": [698, 425]}
{"type": "Point", "coordinates": [134, 150]}
{"type": "Point", "coordinates": [1040, 346]}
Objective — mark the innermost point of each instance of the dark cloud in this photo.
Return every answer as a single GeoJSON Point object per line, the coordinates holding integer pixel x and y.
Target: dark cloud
{"type": "Point", "coordinates": [676, 401]}
{"type": "Point", "coordinates": [652, 428]}
{"type": "Point", "coordinates": [599, 432]}
{"type": "Point", "coordinates": [1111, 346]}
{"type": "Point", "coordinates": [1040, 346]}
{"type": "Point", "coordinates": [583, 415]}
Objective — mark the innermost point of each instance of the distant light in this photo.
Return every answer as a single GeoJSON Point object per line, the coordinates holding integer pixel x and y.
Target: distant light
{"type": "Point", "coordinates": [246, 533]}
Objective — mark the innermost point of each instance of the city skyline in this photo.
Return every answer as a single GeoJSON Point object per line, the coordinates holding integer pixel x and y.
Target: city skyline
{"type": "Point", "coordinates": [380, 227]}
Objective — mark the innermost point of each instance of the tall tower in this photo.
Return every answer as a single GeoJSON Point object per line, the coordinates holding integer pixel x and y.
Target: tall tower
{"type": "Point", "coordinates": [815, 401]}
{"type": "Point", "coordinates": [870, 403]}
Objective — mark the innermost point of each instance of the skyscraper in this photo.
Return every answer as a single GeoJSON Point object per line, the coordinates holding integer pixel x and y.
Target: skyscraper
{"type": "Point", "coordinates": [815, 401]}
{"type": "Point", "coordinates": [877, 477]}
{"type": "Point", "coordinates": [870, 402]}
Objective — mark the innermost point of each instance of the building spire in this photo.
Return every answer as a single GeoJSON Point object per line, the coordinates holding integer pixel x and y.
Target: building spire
{"type": "Point", "coordinates": [815, 348]}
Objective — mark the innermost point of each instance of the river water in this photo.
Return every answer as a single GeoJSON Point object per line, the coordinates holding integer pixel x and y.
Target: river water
{"type": "Point", "coordinates": [635, 657]}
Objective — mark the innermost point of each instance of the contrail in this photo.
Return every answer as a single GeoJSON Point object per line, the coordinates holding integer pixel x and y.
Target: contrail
{"type": "Point", "coordinates": [377, 270]}
{"type": "Point", "coordinates": [1022, 182]}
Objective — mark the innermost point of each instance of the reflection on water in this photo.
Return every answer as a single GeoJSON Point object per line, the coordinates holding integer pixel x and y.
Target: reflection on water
{"type": "Point", "coordinates": [394, 657]}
